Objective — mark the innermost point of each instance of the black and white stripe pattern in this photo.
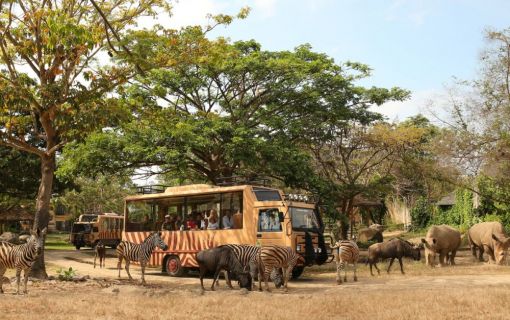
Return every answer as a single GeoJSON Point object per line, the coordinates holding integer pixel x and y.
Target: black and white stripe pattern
{"type": "Point", "coordinates": [347, 252]}
{"type": "Point", "coordinates": [274, 256]}
{"type": "Point", "coordinates": [248, 256]}
{"type": "Point", "coordinates": [21, 257]}
{"type": "Point", "coordinates": [139, 252]}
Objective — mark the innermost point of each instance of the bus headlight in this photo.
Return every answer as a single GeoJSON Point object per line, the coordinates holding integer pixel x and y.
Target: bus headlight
{"type": "Point", "coordinates": [298, 247]}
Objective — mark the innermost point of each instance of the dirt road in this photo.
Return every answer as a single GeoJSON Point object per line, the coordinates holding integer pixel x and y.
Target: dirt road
{"type": "Point", "coordinates": [466, 274]}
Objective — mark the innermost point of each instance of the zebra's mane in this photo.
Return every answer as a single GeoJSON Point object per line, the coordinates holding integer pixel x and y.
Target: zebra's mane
{"type": "Point", "coordinates": [149, 238]}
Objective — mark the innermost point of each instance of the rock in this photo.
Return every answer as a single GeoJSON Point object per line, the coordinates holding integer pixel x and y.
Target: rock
{"type": "Point", "coordinates": [10, 237]}
{"type": "Point", "coordinates": [377, 227]}
{"type": "Point", "coordinates": [80, 278]}
{"type": "Point", "coordinates": [244, 291]}
{"type": "Point", "coordinates": [368, 234]}
{"type": "Point", "coordinates": [115, 290]}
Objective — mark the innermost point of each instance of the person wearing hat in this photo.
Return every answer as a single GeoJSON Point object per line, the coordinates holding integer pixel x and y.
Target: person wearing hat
{"type": "Point", "coordinates": [167, 225]}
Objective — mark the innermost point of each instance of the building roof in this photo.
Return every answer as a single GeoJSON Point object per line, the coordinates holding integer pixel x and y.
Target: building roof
{"type": "Point", "coordinates": [15, 213]}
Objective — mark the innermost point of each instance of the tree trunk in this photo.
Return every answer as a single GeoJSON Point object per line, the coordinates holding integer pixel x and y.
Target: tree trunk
{"type": "Point", "coordinates": [42, 213]}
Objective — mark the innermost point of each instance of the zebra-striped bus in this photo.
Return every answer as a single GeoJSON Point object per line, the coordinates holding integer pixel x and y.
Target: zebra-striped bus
{"type": "Point", "coordinates": [197, 217]}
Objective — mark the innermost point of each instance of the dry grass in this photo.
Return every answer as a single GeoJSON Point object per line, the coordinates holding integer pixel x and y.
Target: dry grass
{"type": "Point", "coordinates": [348, 302]}
{"type": "Point", "coordinates": [467, 291]}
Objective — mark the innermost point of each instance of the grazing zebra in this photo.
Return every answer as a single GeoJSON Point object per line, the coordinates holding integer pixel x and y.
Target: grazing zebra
{"type": "Point", "coordinates": [274, 256]}
{"type": "Point", "coordinates": [139, 252]}
{"type": "Point", "coordinates": [21, 257]}
{"type": "Point", "coordinates": [248, 256]}
{"type": "Point", "coordinates": [346, 252]}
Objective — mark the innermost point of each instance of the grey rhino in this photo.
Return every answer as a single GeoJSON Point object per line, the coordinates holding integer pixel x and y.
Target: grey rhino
{"type": "Point", "coordinates": [443, 240]}
{"type": "Point", "coordinates": [489, 237]}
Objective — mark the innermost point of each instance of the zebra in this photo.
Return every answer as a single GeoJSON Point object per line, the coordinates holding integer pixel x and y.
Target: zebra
{"type": "Point", "coordinates": [248, 256]}
{"type": "Point", "coordinates": [274, 256]}
{"type": "Point", "coordinates": [347, 252]}
{"type": "Point", "coordinates": [21, 257]}
{"type": "Point", "coordinates": [139, 252]}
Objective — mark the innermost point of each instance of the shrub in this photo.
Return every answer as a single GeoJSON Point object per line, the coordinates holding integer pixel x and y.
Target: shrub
{"type": "Point", "coordinates": [421, 214]}
{"type": "Point", "coordinates": [66, 275]}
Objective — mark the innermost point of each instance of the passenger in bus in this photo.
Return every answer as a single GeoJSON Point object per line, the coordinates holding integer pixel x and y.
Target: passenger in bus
{"type": "Point", "coordinates": [203, 220]}
{"type": "Point", "coordinates": [198, 220]}
{"type": "Point", "coordinates": [237, 219]}
{"type": "Point", "coordinates": [168, 224]}
{"type": "Point", "coordinates": [227, 220]}
{"type": "Point", "coordinates": [264, 221]}
{"type": "Point", "coordinates": [179, 224]}
{"type": "Point", "coordinates": [213, 220]}
{"type": "Point", "coordinates": [274, 222]}
{"type": "Point", "coordinates": [191, 223]}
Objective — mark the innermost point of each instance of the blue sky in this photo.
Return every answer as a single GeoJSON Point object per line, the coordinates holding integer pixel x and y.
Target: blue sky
{"type": "Point", "coordinates": [415, 44]}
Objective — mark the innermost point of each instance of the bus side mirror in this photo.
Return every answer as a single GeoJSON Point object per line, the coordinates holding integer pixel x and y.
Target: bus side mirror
{"type": "Point", "coordinates": [281, 216]}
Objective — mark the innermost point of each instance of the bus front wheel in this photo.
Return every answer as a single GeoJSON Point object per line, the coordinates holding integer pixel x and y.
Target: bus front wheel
{"type": "Point", "coordinates": [297, 271]}
{"type": "Point", "coordinates": [174, 267]}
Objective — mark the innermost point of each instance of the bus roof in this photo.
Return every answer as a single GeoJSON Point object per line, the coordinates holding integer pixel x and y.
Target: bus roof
{"type": "Point", "coordinates": [194, 189]}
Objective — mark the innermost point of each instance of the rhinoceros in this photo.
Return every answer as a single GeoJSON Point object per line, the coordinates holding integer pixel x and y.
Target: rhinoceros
{"type": "Point", "coordinates": [443, 240]}
{"type": "Point", "coordinates": [489, 237]}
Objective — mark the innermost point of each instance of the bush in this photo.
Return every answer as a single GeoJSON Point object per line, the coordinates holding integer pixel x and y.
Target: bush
{"type": "Point", "coordinates": [421, 214]}
{"type": "Point", "coordinates": [66, 275]}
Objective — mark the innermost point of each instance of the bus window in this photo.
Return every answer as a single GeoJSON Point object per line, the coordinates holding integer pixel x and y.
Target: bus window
{"type": "Point", "coordinates": [201, 205]}
{"type": "Point", "coordinates": [146, 215]}
{"type": "Point", "coordinates": [231, 210]}
{"type": "Point", "coordinates": [266, 194]}
{"type": "Point", "coordinates": [105, 224]}
{"type": "Point", "coordinates": [269, 221]}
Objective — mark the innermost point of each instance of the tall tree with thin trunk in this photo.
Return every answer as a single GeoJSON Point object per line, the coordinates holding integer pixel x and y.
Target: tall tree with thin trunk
{"type": "Point", "coordinates": [56, 77]}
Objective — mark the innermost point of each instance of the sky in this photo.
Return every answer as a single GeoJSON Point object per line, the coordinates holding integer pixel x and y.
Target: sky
{"type": "Point", "coordinates": [419, 45]}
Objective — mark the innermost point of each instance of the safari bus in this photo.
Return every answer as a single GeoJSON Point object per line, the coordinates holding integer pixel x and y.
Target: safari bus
{"type": "Point", "coordinates": [90, 228]}
{"type": "Point", "coordinates": [197, 217]}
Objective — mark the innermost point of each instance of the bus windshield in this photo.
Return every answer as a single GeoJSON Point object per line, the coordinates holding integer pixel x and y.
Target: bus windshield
{"type": "Point", "coordinates": [304, 219]}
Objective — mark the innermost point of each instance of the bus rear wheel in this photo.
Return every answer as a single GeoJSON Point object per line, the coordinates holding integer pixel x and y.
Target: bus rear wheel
{"type": "Point", "coordinates": [174, 267]}
{"type": "Point", "coordinates": [297, 271]}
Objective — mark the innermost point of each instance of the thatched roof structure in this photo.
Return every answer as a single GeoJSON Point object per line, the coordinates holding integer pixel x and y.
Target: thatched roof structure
{"type": "Point", "coordinates": [15, 213]}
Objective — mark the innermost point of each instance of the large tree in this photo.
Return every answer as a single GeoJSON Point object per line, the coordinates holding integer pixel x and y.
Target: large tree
{"type": "Point", "coordinates": [55, 77]}
{"type": "Point", "coordinates": [214, 109]}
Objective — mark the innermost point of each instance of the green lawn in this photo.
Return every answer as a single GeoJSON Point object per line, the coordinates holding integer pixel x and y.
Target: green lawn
{"type": "Point", "coordinates": [58, 241]}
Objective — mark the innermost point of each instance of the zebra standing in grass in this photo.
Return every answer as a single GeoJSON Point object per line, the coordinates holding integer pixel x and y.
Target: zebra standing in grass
{"type": "Point", "coordinates": [347, 252]}
{"type": "Point", "coordinates": [139, 252]}
{"type": "Point", "coordinates": [248, 256]}
{"type": "Point", "coordinates": [21, 257]}
{"type": "Point", "coordinates": [274, 256]}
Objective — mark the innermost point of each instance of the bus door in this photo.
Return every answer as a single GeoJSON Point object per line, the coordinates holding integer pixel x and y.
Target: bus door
{"type": "Point", "coordinates": [270, 227]}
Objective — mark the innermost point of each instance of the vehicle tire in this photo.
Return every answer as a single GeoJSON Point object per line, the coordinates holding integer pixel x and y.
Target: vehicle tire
{"type": "Point", "coordinates": [174, 267]}
{"type": "Point", "coordinates": [297, 271]}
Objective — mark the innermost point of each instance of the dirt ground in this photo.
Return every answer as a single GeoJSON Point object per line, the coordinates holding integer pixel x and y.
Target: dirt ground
{"type": "Point", "coordinates": [470, 290]}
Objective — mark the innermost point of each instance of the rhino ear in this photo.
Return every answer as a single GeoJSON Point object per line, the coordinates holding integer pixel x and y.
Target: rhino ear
{"type": "Point", "coordinates": [495, 238]}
